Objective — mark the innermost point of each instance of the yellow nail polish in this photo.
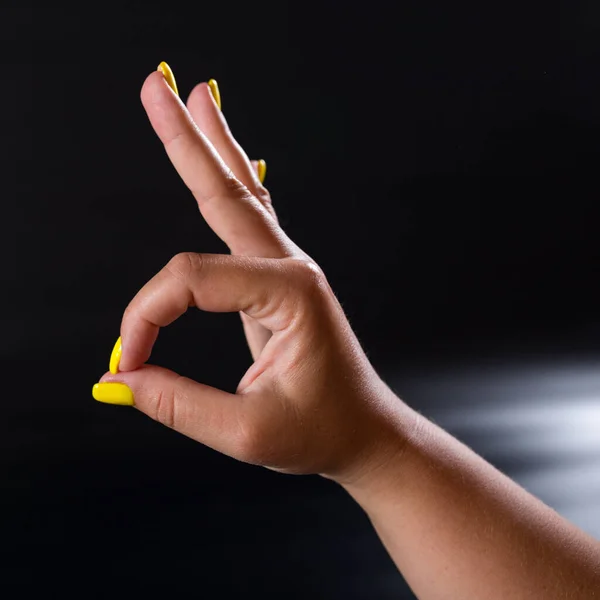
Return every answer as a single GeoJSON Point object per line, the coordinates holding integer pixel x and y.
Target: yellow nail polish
{"type": "Point", "coordinates": [262, 170]}
{"type": "Point", "coordinates": [214, 89]}
{"type": "Point", "coordinates": [113, 393]}
{"type": "Point", "coordinates": [115, 357]}
{"type": "Point", "coordinates": [165, 69]}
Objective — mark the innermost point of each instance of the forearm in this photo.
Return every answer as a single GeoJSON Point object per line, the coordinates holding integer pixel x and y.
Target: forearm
{"type": "Point", "coordinates": [457, 528]}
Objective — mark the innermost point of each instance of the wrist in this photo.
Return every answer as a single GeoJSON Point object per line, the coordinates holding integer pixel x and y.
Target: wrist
{"type": "Point", "coordinates": [390, 437]}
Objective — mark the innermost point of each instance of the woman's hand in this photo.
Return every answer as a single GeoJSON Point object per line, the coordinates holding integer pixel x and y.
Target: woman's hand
{"type": "Point", "coordinates": [311, 402]}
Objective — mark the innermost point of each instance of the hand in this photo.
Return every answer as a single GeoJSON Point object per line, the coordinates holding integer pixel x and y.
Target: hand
{"type": "Point", "coordinates": [311, 402]}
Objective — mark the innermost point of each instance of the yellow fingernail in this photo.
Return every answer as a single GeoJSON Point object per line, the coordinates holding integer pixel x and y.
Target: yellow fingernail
{"type": "Point", "coordinates": [262, 170]}
{"type": "Point", "coordinates": [165, 69]}
{"type": "Point", "coordinates": [113, 393]}
{"type": "Point", "coordinates": [214, 89]}
{"type": "Point", "coordinates": [115, 358]}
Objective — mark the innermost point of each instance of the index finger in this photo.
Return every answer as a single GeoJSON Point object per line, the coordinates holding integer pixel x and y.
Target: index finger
{"type": "Point", "coordinates": [215, 283]}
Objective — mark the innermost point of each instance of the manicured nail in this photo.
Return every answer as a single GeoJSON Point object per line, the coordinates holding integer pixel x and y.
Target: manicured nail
{"type": "Point", "coordinates": [214, 89]}
{"type": "Point", "coordinates": [262, 170]}
{"type": "Point", "coordinates": [115, 358]}
{"type": "Point", "coordinates": [165, 69]}
{"type": "Point", "coordinates": [113, 393]}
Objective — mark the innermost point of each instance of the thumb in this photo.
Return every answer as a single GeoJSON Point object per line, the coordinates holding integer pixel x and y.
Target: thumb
{"type": "Point", "coordinates": [201, 412]}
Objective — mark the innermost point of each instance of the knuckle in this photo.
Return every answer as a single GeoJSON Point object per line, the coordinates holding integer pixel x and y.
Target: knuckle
{"type": "Point", "coordinates": [263, 195]}
{"type": "Point", "coordinates": [234, 186]}
{"type": "Point", "coordinates": [265, 199]}
{"type": "Point", "coordinates": [251, 445]}
{"type": "Point", "coordinates": [183, 265]}
{"type": "Point", "coordinates": [253, 196]}
{"type": "Point", "coordinates": [128, 312]}
{"type": "Point", "coordinates": [309, 276]}
{"type": "Point", "coordinates": [163, 407]}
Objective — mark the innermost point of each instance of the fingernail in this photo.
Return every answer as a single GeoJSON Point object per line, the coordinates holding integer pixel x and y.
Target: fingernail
{"type": "Point", "coordinates": [262, 170]}
{"type": "Point", "coordinates": [214, 89]}
{"type": "Point", "coordinates": [113, 393]}
{"type": "Point", "coordinates": [115, 357]}
{"type": "Point", "coordinates": [165, 69]}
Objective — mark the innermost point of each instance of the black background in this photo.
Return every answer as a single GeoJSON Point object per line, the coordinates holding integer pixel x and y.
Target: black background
{"type": "Point", "coordinates": [438, 159]}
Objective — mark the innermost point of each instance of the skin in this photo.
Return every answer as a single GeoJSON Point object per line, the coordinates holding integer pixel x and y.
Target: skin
{"type": "Point", "coordinates": [455, 526]}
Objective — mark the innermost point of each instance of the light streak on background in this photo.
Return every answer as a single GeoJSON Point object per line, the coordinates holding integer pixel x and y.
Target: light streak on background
{"type": "Point", "coordinates": [538, 423]}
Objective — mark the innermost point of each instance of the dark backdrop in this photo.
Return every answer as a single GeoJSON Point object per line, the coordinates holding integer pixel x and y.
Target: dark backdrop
{"type": "Point", "coordinates": [438, 159]}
